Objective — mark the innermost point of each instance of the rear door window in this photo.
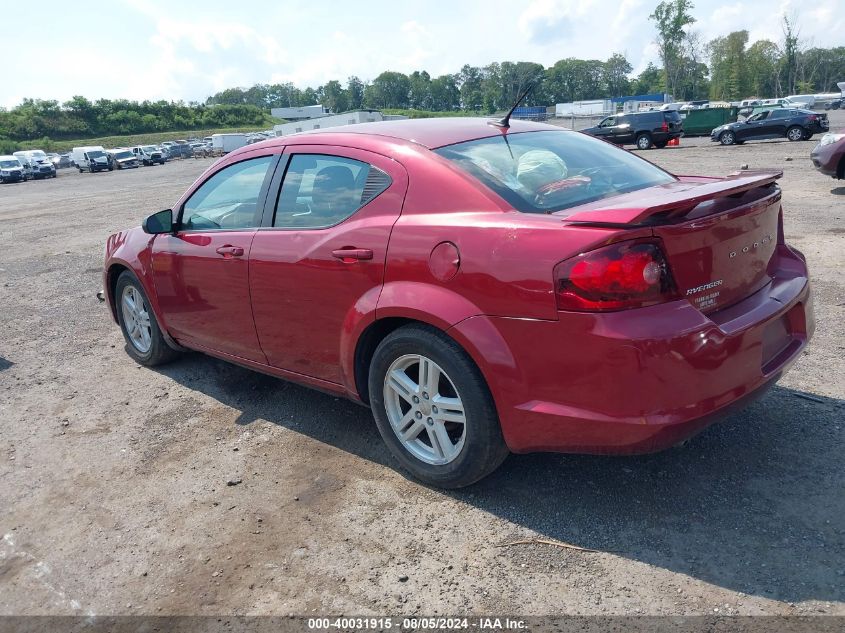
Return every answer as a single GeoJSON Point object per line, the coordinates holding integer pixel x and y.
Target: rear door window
{"type": "Point", "coordinates": [320, 190]}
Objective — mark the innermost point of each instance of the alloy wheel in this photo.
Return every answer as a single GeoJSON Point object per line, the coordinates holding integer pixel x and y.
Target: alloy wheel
{"type": "Point", "coordinates": [136, 319]}
{"type": "Point", "coordinates": [796, 134]}
{"type": "Point", "coordinates": [424, 409]}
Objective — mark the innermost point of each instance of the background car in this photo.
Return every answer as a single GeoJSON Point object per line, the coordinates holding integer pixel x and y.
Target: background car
{"type": "Point", "coordinates": [148, 154]}
{"type": "Point", "coordinates": [643, 129]}
{"type": "Point", "coordinates": [795, 125]}
{"type": "Point", "coordinates": [829, 155]}
{"type": "Point", "coordinates": [835, 104]}
{"type": "Point", "coordinates": [123, 158]}
{"type": "Point", "coordinates": [590, 302]}
{"type": "Point", "coordinates": [11, 170]}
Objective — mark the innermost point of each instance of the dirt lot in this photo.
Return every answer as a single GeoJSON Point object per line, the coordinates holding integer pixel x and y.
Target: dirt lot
{"type": "Point", "coordinates": [113, 477]}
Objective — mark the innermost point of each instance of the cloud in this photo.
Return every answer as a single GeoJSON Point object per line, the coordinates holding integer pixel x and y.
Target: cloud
{"type": "Point", "coordinates": [545, 21]}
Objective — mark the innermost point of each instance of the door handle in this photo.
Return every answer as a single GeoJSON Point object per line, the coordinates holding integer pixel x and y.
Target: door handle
{"type": "Point", "coordinates": [227, 250]}
{"type": "Point", "coordinates": [350, 255]}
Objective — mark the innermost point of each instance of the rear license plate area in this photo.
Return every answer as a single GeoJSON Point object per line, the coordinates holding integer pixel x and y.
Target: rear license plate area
{"type": "Point", "coordinates": [781, 338]}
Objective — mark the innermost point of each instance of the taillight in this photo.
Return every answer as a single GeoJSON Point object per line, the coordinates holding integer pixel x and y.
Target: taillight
{"type": "Point", "coordinates": [631, 274]}
{"type": "Point", "coordinates": [664, 127]}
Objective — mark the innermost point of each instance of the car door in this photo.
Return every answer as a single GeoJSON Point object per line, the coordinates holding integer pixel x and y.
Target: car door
{"type": "Point", "coordinates": [321, 252]}
{"type": "Point", "coordinates": [778, 121]}
{"type": "Point", "coordinates": [622, 130]}
{"type": "Point", "coordinates": [604, 128]}
{"type": "Point", "coordinates": [754, 127]}
{"type": "Point", "coordinates": [201, 272]}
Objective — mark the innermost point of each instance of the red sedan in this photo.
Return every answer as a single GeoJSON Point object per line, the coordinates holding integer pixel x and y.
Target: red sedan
{"type": "Point", "coordinates": [484, 289]}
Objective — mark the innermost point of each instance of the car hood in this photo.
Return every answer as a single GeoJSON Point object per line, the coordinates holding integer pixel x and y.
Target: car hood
{"type": "Point", "coordinates": [728, 126]}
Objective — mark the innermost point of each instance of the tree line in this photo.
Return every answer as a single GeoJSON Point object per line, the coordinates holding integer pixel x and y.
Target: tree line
{"type": "Point", "coordinates": [725, 68]}
{"type": "Point", "coordinates": [81, 118]}
{"type": "Point", "coordinates": [728, 68]}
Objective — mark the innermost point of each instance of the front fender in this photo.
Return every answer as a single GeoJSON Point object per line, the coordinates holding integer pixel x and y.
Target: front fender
{"type": "Point", "coordinates": [132, 250]}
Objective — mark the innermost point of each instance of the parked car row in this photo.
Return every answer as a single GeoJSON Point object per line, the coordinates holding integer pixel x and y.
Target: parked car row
{"type": "Point", "coordinates": [26, 165]}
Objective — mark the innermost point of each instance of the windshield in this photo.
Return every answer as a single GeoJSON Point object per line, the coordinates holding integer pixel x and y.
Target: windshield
{"type": "Point", "coordinates": [5, 164]}
{"type": "Point", "coordinates": [125, 154]}
{"type": "Point", "coordinates": [149, 148]}
{"type": "Point", "coordinates": [95, 153]}
{"type": "Point", "coordinates": [544, 172]}
{"type": "Point", "coordinates": [38, 155]}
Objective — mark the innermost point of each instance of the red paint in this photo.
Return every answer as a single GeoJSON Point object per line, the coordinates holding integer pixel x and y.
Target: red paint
{"type": "Point", "coordinates": [438, 247]}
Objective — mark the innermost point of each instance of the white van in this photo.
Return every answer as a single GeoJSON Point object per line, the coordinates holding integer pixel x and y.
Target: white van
{"type": "Point", "coordinates": [91, 158]}
{"type": "Point", "coordinates": [36, 163]}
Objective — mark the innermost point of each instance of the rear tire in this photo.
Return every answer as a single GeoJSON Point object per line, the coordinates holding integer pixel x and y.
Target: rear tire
{"type": "Point", "coordinates": [643, 141]}
{"type": "Point", "coordinates": [795, 133]}
{"type": "Point", "coordinates": [144, 340]}
{"type": "Point", "coordinates": [440, 450]}
{"type": "Point", "coordinates": [727, 138]}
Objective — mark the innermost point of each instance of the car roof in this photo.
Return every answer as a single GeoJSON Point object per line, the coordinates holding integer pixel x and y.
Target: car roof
{"type": "Point", "coordinates": [430, 133]}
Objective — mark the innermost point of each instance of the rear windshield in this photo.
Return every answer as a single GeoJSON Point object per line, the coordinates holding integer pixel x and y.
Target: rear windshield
{"type": "Point", "coordinates": [544, 172]}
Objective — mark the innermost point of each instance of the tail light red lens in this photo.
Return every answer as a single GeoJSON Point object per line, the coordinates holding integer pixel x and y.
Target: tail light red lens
{"type": "Point", "coordinates": [664, 127]}
{"type": "Point", "coordinates": [621, 276]}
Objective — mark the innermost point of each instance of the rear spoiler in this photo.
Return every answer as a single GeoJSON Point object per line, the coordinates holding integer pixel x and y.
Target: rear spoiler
{"type": "Point", "coordinates": [635, 208]}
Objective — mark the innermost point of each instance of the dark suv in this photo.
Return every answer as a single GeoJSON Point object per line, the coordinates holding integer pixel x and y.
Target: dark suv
{"type": "Point", "coordinates": [794, 124]}
{"type": "Point", "coordinates": [643, 129]}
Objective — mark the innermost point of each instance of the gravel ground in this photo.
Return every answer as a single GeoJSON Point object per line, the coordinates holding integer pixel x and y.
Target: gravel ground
{"type": "Point", "coordinates": [114, 479]}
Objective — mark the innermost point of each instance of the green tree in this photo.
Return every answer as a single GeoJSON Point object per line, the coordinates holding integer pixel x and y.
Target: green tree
{"type": "Point", "coordinates": [335, 97]}
{"type": "Point", "coordinates": [763, 58]}
{"type": "Point", "coordinates": [471, 82]}
{"type": "Point", "coordinates": [615, 73]}
{"type": "Point", "coordinates": [649, 81]}
{"type": "Point", "coordinates": [355, 92]}
{"type": "Point", "coordinates": [670, 17]}
{"type": "Point", "coordinates": [389, 90]}
{"type": "Point", "coordinates": [728, 66]}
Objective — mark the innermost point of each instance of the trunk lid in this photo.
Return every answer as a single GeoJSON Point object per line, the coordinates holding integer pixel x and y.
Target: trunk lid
{"type": "Point", "coordinates": [718, 235]}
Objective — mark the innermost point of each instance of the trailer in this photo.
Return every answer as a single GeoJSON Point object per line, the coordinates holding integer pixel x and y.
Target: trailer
{"type": "Point", "coordinates": [225, 143]}
{"type": "Point", "coordinates": [584, 108]}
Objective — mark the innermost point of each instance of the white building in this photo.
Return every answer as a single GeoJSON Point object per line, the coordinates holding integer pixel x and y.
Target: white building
{"type": "Point", "coordinates": [333, 120]}
{"type": "Point", "coordinates": [294, 114]}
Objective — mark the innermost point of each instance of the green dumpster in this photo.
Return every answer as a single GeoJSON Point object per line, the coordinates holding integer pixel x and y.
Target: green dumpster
{"type": "Point", "coordinates": [701, 122]}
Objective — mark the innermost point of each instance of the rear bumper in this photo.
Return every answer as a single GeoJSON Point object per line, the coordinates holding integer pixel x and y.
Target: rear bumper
{"type": "Point", "coordinates": [641, 380]}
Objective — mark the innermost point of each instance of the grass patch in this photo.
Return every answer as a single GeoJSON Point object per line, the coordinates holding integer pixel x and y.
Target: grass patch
{"type": "Point", "coordinates": [153, 138]}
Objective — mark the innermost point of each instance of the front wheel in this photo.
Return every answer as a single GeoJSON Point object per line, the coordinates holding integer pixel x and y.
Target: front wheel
{"type": "Point", "coordinates": [727, 138]}
{"type": "Point", "coordinates": [433, 409]}
{"type": "Point", "coordinates": [643, 141]}
{"type": "Point", "coordinates": [144, 340]}
{"type": "Point", "coordinates": [795, 133]}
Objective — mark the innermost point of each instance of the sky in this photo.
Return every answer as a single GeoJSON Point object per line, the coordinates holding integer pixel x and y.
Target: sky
{"type": "Point", "coordinates": [151, 49]}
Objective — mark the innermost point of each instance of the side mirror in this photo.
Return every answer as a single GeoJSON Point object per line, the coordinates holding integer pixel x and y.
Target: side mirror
{"type": "Point", "coordinates": [157, 223]}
